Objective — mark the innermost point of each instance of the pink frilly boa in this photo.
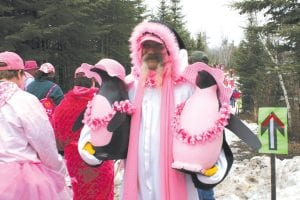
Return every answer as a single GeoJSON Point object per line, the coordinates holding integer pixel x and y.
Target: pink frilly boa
{"type": "Point", "coordinates": [96, 122]}
{"type": "Point", "coordinates": [207, 135]}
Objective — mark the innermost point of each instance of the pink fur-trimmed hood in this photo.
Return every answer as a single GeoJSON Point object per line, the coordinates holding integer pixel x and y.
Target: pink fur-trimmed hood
{"type": "Point", "coordinates": [165, 34]}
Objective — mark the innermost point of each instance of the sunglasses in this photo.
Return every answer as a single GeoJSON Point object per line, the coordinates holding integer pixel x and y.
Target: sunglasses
{"type": "Point", "coordinates": [3, 64]}
{"type": "Point", "coordinates": [145, 33]}
{"type": "Point", "coordinates": [154, 45]}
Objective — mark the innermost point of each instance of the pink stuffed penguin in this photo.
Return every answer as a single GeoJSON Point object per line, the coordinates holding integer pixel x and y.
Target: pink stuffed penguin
{"type": "Point", "coordinates": [199, 122]}
{"type": "Point", "coordinates": [107, 114]}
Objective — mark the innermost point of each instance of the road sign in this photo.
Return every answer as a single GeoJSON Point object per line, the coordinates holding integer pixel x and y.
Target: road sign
{"type": "Point", "coordinates": [273, 130]}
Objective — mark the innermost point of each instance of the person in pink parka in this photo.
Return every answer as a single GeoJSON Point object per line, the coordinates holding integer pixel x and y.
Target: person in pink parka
{"type": "Point", "coordinates": [30, 166]}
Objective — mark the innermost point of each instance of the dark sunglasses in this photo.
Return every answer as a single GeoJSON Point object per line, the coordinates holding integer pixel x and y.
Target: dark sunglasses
{"type": "Point", "coordinates": [145, 33]}
{"type": "Point", "coordinates": [3, 64]}
{"type": "Point", "coordinates": [152, 45]}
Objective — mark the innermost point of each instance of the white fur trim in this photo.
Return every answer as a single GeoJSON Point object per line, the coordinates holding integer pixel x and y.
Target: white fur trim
{"type": "Point", "coordinates": [165, 34]}
{"type": "Point", "coordinates": [183, 54]}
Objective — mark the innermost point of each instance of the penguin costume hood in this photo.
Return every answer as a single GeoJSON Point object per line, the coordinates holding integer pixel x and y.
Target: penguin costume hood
{"type": "Point", "coordinates": [107, 117]}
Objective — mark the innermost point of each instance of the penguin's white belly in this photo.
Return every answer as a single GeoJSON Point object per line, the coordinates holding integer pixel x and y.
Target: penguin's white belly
{"type": "Point", "coordinates": [200, 113]}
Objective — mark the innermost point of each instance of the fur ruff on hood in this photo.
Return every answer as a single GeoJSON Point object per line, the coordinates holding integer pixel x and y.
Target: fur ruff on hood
{"type": "Point", "coordinates": [165, 34]}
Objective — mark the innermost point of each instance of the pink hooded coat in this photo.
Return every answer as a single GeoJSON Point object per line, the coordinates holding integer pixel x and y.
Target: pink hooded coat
{"type": "Point", "coordinates": [148, 173]}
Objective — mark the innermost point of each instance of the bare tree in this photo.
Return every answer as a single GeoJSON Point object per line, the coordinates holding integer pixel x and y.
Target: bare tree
{"type": "Point", "coordinates": [282, 85]}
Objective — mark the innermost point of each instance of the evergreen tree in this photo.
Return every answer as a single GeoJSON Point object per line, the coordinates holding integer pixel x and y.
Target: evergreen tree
{"type": "Point", "coordinates": [280, 34]}
{"type": "Point", "coordinates": [163, 13]}
{"type": "Point", "coordinates": [283, 22]}
{"type": "Point", "coordinates": [178, 23]}
{"type": "Point", "coordinates": [171, 14]}
{"type": "Point", "coordinates": [69, 32]}
{"type": "Point", "coordinates": [119, 19]}
{"type": "Point", "coordinates": [250, 61]}
{"type": "Point", "coordinates": [200, 43]}
{"type": "Point", "coordinates": [177, 18]}
{"type": "Point", "coordinates": [17, 25]}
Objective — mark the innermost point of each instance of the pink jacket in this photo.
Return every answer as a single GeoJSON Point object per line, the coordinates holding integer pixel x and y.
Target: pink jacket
{"type": "Point", "coordinates": [26, 133]}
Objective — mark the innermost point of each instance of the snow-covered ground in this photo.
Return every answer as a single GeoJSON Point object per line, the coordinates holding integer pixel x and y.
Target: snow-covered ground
{"type": "Point", "coordinates": [250, 179]}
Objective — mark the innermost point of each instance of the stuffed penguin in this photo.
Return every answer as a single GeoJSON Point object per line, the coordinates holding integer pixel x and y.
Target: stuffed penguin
{"type": "Point", "coordinates": [199, 144]}
{"type": "Point", "coordinates": [105, 135]}
{"type": "Point", "coordinates": [199, 122]}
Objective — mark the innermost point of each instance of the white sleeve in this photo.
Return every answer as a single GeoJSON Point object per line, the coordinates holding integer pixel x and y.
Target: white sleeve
{"type": "Point", "coordinates": [183, 92]}
{"type": "Point", "coordinates": [183, 54]}
{"type": "Point", "coordinates": [39, 132]}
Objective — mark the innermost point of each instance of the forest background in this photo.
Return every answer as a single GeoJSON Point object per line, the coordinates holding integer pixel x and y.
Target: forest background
{"type": "Point", "coordinates": [69, 32]}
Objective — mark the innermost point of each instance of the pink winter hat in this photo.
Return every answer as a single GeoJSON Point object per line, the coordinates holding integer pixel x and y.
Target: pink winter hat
{"type": "Point", "coordinates": [112, 67]}
{"type": "Point", "coordinates": [151, 37]}
{"type": "Point", "coordinates": [10, 61]}
{"type": "Point", "coordinates": [86, 69]}
{"type": "Point", "coordinates": [30, 64]}
{"type": "Point", "coordinates": [47, 68]}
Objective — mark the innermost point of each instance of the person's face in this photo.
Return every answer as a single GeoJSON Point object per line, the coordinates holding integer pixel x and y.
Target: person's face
{"type": "Point", "coordinates": [31, 71]}
{"type": "Point", "coordinates": [152, 54]}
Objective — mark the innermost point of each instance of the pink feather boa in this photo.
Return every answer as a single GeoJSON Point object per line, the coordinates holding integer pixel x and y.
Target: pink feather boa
{"type": "Point", "coordinates": [204, 136]}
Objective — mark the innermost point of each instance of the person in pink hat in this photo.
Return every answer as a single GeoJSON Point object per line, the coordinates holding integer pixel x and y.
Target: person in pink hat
{"type": "Point", "coordinates": [30, 68]}
{"type": "Point", "coordinates": [44, 86]}
{"type": "Point", "coordinates": [90, 182]}
{"type": "Point", "coordinates": [30, 166]}
{"type": "Point", "coordinates": [155, 86]}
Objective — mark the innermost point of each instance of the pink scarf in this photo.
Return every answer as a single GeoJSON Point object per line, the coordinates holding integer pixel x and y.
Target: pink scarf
{"type": "Point", "coordinates": [173, 185]}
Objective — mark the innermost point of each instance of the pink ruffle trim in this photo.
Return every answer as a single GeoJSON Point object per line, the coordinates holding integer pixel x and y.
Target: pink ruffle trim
{"type": "Point", "coordinates": [179, 80]}
{"type": "Point", "coordinates": [96, 123]}
{"type": "Point", "coordinates": [206, 135]}
{"type": "Point", "coordinates": [151, 81]}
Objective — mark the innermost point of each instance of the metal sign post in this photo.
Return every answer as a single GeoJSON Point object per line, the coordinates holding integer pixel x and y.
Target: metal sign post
{"type": "Point", "coordinates": [273, 177]}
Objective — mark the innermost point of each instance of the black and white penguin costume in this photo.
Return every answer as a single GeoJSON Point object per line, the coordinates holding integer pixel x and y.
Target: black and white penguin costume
{"type": "Point", "coordinates": [107, 117]}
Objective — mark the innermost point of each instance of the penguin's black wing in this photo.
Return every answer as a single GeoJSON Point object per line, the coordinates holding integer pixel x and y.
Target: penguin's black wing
{"type": "Point", "coordinates": [78, 123]}
{"type": "Point", "coordinates": [204, 80]}
{"type": "Point", "coordinates": [243, 132]}
{"type": "Point", "coordinates": [116, 121]}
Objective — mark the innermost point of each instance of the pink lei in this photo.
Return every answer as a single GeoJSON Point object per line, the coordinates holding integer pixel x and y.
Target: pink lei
{"type": "Point", "coordinates": [206, 135]}
{"type": "Point", "coordinates": [151, 80]}
{"type": "Point", "coordinates": [96, 123]}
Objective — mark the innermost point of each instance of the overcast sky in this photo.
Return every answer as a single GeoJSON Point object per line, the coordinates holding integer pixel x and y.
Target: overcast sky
{"type": "Point", "coordinates": [214, 17]}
